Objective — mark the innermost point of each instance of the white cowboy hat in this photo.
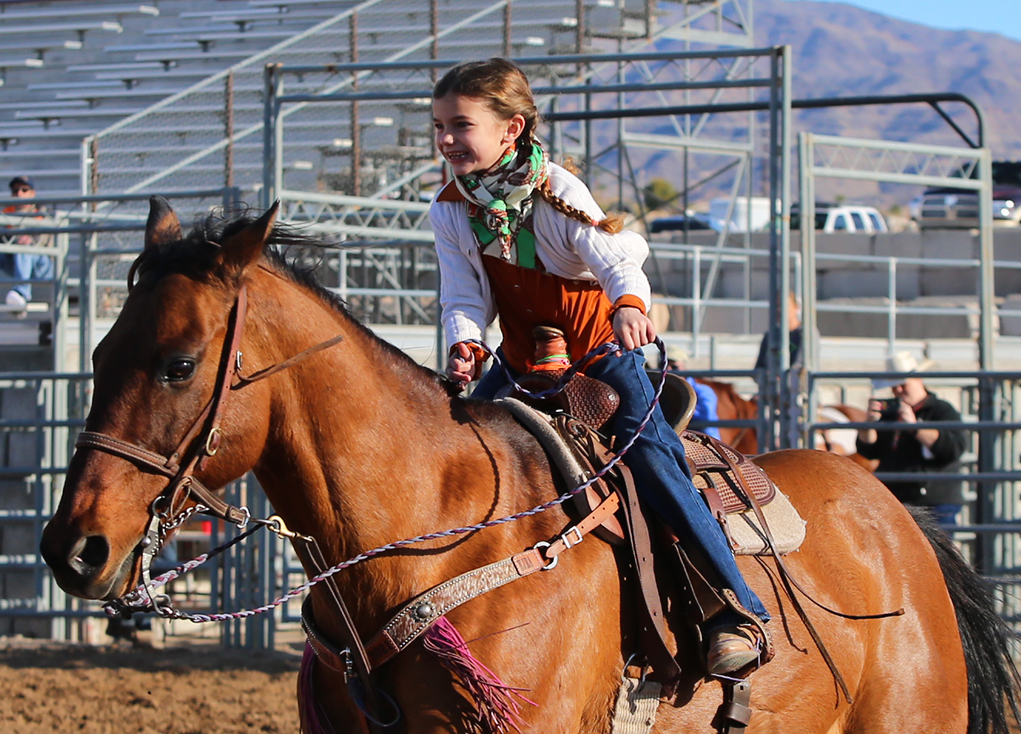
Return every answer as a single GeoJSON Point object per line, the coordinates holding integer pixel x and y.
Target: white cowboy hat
{"type": "Point", "coordinates": [902, 362]}
{"type": "Point", "coordinates": [676, 354]}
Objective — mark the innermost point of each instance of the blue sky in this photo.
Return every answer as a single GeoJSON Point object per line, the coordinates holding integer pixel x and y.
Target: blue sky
{"type": "Point", "coordinates": [994, 16]}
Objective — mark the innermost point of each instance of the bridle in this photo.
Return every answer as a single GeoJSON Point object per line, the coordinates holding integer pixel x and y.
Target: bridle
{"type": "Point", "coordinates": [200, 442]}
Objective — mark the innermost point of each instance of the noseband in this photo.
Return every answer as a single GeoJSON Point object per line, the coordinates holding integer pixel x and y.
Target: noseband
{"type": "Point", "coordinates": [201, 442]}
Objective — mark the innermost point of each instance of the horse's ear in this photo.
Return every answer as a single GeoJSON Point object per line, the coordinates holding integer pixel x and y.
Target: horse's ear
{"type": "Point", "coordinates": [163, 225]}
{"type": "Point", "coordinates": [243, 247]}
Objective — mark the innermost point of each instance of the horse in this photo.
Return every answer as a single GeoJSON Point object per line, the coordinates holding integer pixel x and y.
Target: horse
{"type": "Point", "coordinates": [356, 445]}
{"type": "Point", "coordinates": [731, 406]}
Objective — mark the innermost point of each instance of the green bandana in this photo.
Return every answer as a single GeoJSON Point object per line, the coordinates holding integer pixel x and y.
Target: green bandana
{"type": "Point", "coordinates": [503, 200]}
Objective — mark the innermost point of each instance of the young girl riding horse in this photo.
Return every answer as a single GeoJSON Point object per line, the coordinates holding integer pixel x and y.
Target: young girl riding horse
{"type": "Point", "coordinates": [522, 238]}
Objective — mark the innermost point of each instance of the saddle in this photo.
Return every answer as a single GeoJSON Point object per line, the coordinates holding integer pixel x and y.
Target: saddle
{"type": "Point", "coordinates": [732, 485]}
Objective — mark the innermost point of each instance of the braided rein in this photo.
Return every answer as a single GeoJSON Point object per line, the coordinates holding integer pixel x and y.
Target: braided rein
{"type": "Point", "coordinates": [142, 599]}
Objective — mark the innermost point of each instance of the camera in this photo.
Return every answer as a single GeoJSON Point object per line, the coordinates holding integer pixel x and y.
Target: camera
{"type": "Point", "coordinates": [888, 407]}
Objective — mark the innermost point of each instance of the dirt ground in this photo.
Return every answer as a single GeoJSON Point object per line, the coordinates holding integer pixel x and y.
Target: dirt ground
{"type": "Point", "coordinates": [47, 687]}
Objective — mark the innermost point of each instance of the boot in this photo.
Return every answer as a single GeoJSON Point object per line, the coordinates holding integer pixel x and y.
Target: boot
{"type": "Point", "coordinates": [733, 648]}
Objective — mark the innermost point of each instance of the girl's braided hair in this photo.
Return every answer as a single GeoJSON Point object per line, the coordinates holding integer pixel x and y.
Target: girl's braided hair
{"type": "Point", "coordinates": [504, 89]}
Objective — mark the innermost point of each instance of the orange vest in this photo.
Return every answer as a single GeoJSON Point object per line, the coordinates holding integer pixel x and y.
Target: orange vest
{"type": "Point", "coordinates": [526, 298]}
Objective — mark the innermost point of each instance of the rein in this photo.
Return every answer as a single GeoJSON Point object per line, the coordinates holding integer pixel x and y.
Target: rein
{"type": "Point", "coordinates": [276, 525]}
{"type": "Point", "coordinates": [202, 441]}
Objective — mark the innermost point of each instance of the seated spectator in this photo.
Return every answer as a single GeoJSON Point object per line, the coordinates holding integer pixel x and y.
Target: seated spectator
{"type": "Point", "coordinates": [909, 446]}
{"type": "Point", "coordinates": [21, 266]}
{"type": "Point", "coordinates": [706, 402]}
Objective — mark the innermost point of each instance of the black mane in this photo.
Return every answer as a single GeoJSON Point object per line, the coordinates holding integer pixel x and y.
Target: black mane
{"type": "Point", "coordinates": [195, 257]}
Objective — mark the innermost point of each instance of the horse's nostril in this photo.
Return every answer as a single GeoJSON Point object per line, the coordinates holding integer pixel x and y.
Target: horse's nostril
{"type": "Point", "coordinates": [89, 555]}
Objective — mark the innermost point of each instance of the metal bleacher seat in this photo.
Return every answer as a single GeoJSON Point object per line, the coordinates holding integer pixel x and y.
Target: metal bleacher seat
{"type": "Point", "coordinates": [39, 46]}
{"type": "Point", "coordinates": [79, 27]}
{"type": "Point", "coordinates": [80, 10]}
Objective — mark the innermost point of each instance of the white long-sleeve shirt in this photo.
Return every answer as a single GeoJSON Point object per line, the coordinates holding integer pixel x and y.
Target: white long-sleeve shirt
{"type": "Point", "coordinates": [566, 247]}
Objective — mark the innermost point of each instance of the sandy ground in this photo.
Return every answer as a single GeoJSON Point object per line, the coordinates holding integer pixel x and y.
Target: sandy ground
{"type": "Point", "coordinates": [50, 688]}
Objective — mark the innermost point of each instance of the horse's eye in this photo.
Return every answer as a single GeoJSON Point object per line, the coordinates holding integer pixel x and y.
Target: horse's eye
{"type": "Point", "coordinates": [180, 369]}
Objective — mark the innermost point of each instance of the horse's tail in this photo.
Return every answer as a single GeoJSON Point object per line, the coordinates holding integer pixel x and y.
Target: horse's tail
{"type": "Point", "coordinates": [994, 683]}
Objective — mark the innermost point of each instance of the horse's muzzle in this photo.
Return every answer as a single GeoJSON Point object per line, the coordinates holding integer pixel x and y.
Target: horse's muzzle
{"type": "Point", "coordinates": [81, 566]}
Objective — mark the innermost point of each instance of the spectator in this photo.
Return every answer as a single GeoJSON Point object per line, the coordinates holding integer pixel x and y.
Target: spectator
{"type": "Point", "coordinates": [706, 401]}
{"type": "Point", "coordinates": [910, 446]}
{"type": "Point", "coordinates": [20, 266]}
{"type": "Point", "coordinates": [796, 341]}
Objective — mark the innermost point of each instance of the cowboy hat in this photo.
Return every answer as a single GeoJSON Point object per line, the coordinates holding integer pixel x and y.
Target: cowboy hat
{"type": "Point", "coordinates": [904, 362]}
{"type": "Point", "coordinates": [675, 354]}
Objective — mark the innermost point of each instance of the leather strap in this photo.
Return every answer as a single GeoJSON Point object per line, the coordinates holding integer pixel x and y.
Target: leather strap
{"type": "Point", "coordinates": [416, 616]}
{"type": "Point", "coordinates": [356, 665]}
{"type": "Point", "coordinates": [735, 712]}
{"type": "Point", "coordinates": [653, 629]}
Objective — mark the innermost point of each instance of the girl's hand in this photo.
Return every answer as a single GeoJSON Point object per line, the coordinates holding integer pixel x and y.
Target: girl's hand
{"type": "Point", "coordinates": [632, 328]}
{"type": "Point", "coordinates": [461, 365]}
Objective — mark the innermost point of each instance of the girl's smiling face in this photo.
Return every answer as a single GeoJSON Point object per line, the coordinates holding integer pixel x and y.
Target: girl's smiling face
{"type": "Point", "coordinates": [469, 135]}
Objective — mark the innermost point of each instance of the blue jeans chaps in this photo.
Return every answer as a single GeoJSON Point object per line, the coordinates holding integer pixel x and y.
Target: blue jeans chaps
{"type": "Point", "coordinates": [657, 462]}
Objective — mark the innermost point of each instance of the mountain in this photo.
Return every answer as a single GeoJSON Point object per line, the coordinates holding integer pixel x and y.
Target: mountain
{"type": "Point", "coordinates": [841, 50]}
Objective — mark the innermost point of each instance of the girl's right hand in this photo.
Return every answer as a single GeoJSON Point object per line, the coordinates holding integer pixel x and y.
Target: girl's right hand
{"type": "Point", "coordinates": [461, 365]}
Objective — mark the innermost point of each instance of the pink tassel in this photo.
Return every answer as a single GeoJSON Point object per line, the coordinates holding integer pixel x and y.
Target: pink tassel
{"type": "Point", "coordinates": [313, 719]}
{"type": "Point", "coordinates": [497, 704]}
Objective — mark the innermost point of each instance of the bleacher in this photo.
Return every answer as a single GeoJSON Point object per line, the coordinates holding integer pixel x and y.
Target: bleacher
{"type": "Point", "coordinates": [71, 70]}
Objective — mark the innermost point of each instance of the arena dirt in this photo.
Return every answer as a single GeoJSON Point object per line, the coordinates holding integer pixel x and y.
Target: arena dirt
{"type": "Point", "coordinates": [46, 688]}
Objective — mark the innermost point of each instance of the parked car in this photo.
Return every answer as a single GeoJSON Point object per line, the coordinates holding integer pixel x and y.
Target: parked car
{"type": "Point", "coordinates": [677, 224]}
{"type": "Point", "coordinates": [950, 207]}
{"type": "Point", "coordinates": [843, 218]}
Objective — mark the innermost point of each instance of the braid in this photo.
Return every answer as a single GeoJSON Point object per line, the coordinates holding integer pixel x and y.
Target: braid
{"type": "Point", "coordinates": [611, 224]}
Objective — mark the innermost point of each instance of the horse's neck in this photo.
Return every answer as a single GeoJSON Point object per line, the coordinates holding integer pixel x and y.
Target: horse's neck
{"type": "Point", "coordinates": [365, 449]}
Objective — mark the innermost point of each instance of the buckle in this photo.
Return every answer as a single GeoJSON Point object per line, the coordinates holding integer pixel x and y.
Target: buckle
{"type": "Point", "coordinates": [566, 537]}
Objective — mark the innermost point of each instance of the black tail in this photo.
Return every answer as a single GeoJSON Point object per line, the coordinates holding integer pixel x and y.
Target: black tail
{"type": "Point", "coordinates": [994, 683]}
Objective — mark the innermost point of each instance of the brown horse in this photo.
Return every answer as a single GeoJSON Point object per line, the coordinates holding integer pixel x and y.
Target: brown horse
{"type": "Point", "coordinates": [731, 406]}
{"type": "Point", "coordinates": [359, 446]}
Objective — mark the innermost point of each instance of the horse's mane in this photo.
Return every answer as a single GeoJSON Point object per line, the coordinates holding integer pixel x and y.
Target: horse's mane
{"type": "Point", "coordinates": [195, 257]}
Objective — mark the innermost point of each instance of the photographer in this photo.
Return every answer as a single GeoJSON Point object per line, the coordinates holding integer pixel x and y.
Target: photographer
{"type": "Point", "coordinates": [909, 446]}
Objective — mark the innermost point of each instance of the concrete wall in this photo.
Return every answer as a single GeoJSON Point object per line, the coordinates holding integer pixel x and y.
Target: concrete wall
{"type": "Point", "coordinates": [844, 278]}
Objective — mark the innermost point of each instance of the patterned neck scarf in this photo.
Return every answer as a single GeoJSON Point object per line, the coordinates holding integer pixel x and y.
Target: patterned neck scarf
{"type": "Point", "coordinates": [503, 197]}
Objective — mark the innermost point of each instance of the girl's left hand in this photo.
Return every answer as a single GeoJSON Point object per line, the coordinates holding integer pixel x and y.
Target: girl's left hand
{"type": "Point", "coordinates": [632, 328]}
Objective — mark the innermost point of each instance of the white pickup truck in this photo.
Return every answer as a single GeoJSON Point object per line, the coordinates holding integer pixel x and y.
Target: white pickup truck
{"type": "Point", "coordinates": [844, 218]}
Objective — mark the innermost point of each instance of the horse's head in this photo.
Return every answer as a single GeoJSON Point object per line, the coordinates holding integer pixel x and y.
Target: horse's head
{"type": "Point", "coordinates": [155, 373]}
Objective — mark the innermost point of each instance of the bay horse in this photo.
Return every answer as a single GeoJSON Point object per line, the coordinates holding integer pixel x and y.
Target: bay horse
{"type": "Point", "coordinates": [357, 445]}
{"type": "Point", "coordinates": [731, 406]}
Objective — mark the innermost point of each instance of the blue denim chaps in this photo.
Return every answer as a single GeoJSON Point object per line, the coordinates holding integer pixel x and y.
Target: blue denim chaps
{"type": "Point", "coordinates": [656, 461]}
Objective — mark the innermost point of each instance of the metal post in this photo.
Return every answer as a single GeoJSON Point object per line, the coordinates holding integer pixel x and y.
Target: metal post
{"type": "Point", "coordinates": [988, 440]}
{"type": "Point", "coordinates": [891, 318]}
{"type": "Point", "coordinates": [272, 138]}
{"type": "Point", "coordinates": [507, 29]}
{"type": "Point", "coordinates": [789, 391]}
{"type": "Point", "coordinates": [228, 154]}
{"type": "Point", "coordinates": [356, 129]}
{"type": "Point", "coordinates": [809, 286]}
{"type": "Point", "coordinates": [769, 391]}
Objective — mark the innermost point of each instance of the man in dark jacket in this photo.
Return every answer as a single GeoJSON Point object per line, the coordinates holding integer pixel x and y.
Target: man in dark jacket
{"type": "Point", "coordinates": [910, 446]}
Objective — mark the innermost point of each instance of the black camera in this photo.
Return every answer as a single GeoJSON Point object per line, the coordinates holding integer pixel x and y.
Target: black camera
{"type": "Point", "coordinates": [889, 408]}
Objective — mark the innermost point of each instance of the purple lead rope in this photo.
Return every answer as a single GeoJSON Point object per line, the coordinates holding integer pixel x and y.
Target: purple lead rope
{"type": "Point", "coordinates": [171, 613]}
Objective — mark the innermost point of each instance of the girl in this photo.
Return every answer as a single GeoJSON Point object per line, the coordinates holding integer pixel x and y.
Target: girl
{"type": "Point", "coordinates": [521, 238]}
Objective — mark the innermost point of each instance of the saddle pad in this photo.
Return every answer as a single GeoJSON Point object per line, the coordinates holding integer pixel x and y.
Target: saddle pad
{"type": "Point", "coordinates": [786, 525]}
